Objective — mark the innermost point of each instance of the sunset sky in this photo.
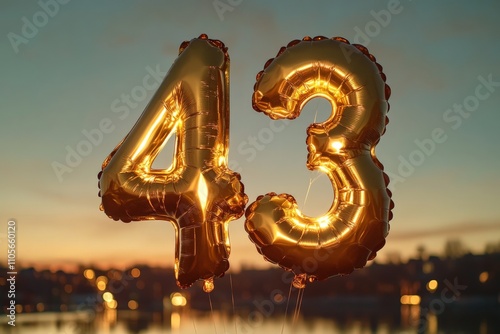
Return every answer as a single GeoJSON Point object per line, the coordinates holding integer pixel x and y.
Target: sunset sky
{"type": "Point", "coordinates": [65, 68]}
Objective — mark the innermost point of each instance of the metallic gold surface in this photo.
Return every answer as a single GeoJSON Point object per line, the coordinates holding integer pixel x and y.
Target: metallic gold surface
{"type": "Point", "coordinates": [343, 147]}
{"type": "Point", "coordinates": [198, 193]}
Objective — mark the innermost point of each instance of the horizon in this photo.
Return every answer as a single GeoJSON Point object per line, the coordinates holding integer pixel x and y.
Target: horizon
{"type": "Point", "coordinates": [390, 259]}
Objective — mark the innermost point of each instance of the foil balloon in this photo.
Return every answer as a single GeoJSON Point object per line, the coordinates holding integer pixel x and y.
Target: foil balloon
{"type": "Point", "coordinates": [198, 193]}
{"type": "Point", "coordinates": [342, 147]}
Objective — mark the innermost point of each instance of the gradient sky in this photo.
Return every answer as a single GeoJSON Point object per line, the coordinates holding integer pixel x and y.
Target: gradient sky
{"type": "Point", "coordinates": [64, 78]}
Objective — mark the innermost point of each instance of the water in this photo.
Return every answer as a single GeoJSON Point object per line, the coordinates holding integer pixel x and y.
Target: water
{"type": "Point", "coordinates": [408, 321]}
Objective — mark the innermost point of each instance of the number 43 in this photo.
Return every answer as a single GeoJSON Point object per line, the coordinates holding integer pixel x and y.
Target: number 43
{"type": "Point", "coordinates": [200, 195]}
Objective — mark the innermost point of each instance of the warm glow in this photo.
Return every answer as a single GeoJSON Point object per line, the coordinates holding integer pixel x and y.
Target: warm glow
{"type": "Point", "coordinates": [102, 279]}
{"type": "Point", "coordinates": [208, 285]}
{"type": "Point", "coordinates": [135, 272]}
{"type": "Point", "coordinates": [410, 300]}
{"type": "Point", "coordinates": [178, 299]}
{"type": "Point", "coordinates": [483, 277]}
{"type": "Point", "coordinates": [89, 274]}
{"type": "Point", "coordinates": [222, 159]}
{"type": "Point", "coordinates": [175, 320]}
{"type": "Point", "coordinates": [432, 323]}
{"type": "Point", "coordinates": [202, 192]}
{"type": "Point", "coordinates": [109, 317]}
{"type": "Point", "coordinates": [40, 307]}
{"type": "Point", "coordinates": [146, 138]}
{"type": "Point", "coordinates": [107, 296]}
{"type": "Point", "coordinates": [19, 308]}
{"type": "Point", "coordinates": [432, 285]}
{"type": "Point", "coordinates": [112, 304]}
{"type": "Point", "coordinates": [325, 222]}
{"type": "Point", "coordinates": [337, 145]}
{"type": "Point", "coordinates": [101, 286]}
{"type": "Point", "coordinates": [132, 304]}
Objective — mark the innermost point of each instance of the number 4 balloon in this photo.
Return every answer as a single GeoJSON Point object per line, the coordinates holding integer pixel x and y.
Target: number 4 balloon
{"type": "Point", "coordinates": [200, 195]}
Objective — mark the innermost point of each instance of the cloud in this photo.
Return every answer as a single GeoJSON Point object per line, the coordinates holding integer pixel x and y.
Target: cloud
{"type": "Point", "coordinates": [459, 229]}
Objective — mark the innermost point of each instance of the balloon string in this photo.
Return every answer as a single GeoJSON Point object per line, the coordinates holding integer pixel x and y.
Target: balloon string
{"type": "Point", "coordinates": [311, 180]}
{"type": "Point", "coordinates": [286, 308]}
{"type": "Point", "coordinates": [223, 323]}
{"type": "Point", "coordinates": [232, 301]}
{"type": "Point", "coordinates": [300, 293]}
{"type": "Point", "coordinates": [307, 192]}
{"type": "Point", "coordinates": [212, 311]}
{"type": "Point", "coordinates": [296, 314]}
{"type": "Point", "coordinates": [194, 325]}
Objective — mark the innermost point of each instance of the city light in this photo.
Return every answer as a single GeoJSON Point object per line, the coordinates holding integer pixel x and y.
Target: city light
{"type": "Point", "coordinates": [432, 285]}
{"type": "Point", "coordinates": [278, 298]}
{"type": "Point", "coordinates": [177, 299]}
{"type": "Point", "coordinates": [483, 277]}
{"type": "Point", "coordinates": [101, 283]}
{"type": "Point", "coordinates": [89, 274]}
{"type": "Point", "coordinates": [107, 296]}
{"type": "Point", "coordinates": [135, 273]}
{"type": "Point", "coordinates": [132, 304]}
{"type": "Point", "coordinates": [410, 300]}
{"type": "Point", "coordinates": [101, 286]}
{"type": "Point", "coordinates": [112, 304]}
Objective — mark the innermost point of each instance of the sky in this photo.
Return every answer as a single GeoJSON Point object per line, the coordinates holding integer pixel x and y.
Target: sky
{"type": "Point", "coordinates": [66, 65]}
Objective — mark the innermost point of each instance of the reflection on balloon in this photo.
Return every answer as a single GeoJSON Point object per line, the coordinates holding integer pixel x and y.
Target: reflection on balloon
{"type": "Point", "coordinates": [343, 147]}
{"type": "Point", "coordinates": [198, 193]}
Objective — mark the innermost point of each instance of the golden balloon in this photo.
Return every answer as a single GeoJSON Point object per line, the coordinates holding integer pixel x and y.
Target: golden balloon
{"type": "Point", "coordinates": [198, 193]}
{"type": "Point", "coordinates": [343, 147]}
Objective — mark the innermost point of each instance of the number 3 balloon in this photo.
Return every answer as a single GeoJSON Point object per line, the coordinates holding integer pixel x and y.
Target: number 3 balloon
{"type": "Point", "coordinates": [198, 193]}
{"type": "Point", "coordinates": [343, 147]}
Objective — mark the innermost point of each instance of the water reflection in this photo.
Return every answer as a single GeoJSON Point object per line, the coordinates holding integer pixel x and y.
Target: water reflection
{"type": "Point", "coordinates": [410, 319]}
{"type": "Point", "coordinates": [410, 316]}
{"type": "Point", "coordinates": [432, 323]}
